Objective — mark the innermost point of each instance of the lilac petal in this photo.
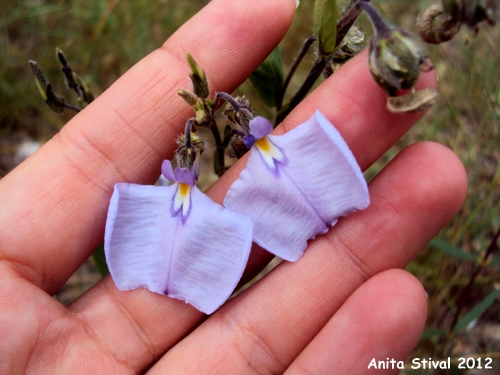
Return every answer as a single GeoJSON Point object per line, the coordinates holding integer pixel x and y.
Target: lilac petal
{"type": "Point", "coordinates": [184, 175]}
{"type": "Point", "coordinates": [167, 170]}
{"type": "Point", "coordinates": [283, 219]}
{"type": "Point", "coordinates": [137, 240]}
{"type": "Point", "coordinates": [320, 182]}
{"type": "Point", "coordinates": [260, 127]}
{"type": "Point", "coordinates": [210, 254]}
{"type": "Point", "coordinates": [199, 262]}
{"type": "Point", "coordinates": [249, 140]}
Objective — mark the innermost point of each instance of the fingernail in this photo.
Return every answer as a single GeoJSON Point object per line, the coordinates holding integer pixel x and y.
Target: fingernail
{"type": "Point", "coordinates": [297, 3]}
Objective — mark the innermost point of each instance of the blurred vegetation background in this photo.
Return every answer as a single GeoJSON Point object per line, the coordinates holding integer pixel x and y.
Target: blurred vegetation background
{"type": "Point", "coordinates": [102, 39]}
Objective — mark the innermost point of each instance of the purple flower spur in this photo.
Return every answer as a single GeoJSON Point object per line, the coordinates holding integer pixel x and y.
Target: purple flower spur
{"type": "Point", "coordinates": [297, 185]}
{"type": "Point", "coordinates": [174, 240]}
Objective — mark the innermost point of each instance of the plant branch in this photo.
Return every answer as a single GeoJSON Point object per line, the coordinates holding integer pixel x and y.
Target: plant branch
{"type": "Point", "coordinates": [305, 48]}
{"type": "Point", "coordinates": [312, 77]}
{"type": "Point", "coordinates": [343, 26]}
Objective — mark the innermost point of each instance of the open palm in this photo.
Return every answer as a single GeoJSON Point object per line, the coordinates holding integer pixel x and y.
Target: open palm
{"type": "Point", "coordinates": [342, 304]}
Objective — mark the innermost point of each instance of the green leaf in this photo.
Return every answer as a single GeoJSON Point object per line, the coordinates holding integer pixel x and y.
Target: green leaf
{"type": "Point", "coordinates": [432, 332]}
{"type": "Point", "coordinates": [217, 166]}
{"type": "Point", "coordinates": [478, 310]}
{"type": "Point", "coordinates": [100, 261]}
{"type": "Point", "coordinates": [325, 26]}
{"type": "Point", "coordinates": [454, 251]}
{"type": "Point", "coordinates": [495, 262]}
{"type": "Point", "coordinates": [267, 79]}
{"type": "Point", "coordinates": [227, 130]}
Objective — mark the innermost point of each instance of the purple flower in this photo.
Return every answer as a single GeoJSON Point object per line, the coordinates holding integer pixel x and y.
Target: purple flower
{"type": "Point", "coordinates": [174, 240]}
{"type": "Point", "coordinates": [297, 185]}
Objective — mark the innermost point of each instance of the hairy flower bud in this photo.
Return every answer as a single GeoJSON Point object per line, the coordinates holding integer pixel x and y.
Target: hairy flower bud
{"type": "Point", "coordinates": [188, 97]}
{"type": "Point", "coordinates": [349, 47]}
{"type": "Point", "coordinates": [239, 111]}
{"type": "Point", "coordinates": [74, 81]}
{"type": "Point", "coordinates": [198, 78]}
{"type": "Point", "coordinates": [239, 147]}
{"type": "Point", "coordinates": [189, 148]}
{"type": "Point", "coordinates": [55, 102]}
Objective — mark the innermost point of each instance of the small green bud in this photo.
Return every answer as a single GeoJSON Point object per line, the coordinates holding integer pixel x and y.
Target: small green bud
{"type": "Point", "coordinates": [55, 102]}
{"type": "Point", "coordinates": [41, 81]}
{"type": "Point", "coordinates": [68, 73]}
{"type": "Point", "coordinates": [349, 47]}
{"type": "Point", "coordinates": [188, 97]}
{"type": "Point", "coordinates": [198, 78]}
{"type": "Point", "coordinates": [74, 81]}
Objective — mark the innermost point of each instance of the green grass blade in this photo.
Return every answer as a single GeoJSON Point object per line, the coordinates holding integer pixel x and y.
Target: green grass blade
{"type": "Point", "coordinates": [478, 310]}
{"type": "Point", "coordinates": [451, 250]}
{"type": "Point", "coordinates": [267, 79]}
{"type": "Point", "coordinates": [432, 332]}
{"type": "Point", "coordinates": [100, 261]}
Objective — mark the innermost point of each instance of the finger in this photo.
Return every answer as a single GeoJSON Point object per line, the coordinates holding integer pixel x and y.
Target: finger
{"type": "Point", "coordinates": [382, 319]}
{"type": "Point", "coordinates": [266, 327]}
{"type": "Point", "coordinates": [54, 205]}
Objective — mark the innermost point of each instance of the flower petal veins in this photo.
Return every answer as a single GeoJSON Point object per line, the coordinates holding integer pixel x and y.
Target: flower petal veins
{"type": "Point", "coordinates": [196, 255]}
{"type": "Point", "coordinates": [315, 181]}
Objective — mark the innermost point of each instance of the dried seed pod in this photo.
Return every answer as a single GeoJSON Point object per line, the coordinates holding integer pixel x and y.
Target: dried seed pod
{"type": "Point", "coordinates": [413, 102]}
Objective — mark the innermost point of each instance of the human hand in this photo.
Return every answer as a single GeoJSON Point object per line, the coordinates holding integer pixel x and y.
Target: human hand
{"type": "Point", "coordinates": [342, 304]}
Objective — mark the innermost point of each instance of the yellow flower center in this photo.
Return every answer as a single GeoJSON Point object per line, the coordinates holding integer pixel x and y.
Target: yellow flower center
{"type": "Point", "coordinates": [184, 189]}
{"type": "Point", "coordinates": [263, 144]}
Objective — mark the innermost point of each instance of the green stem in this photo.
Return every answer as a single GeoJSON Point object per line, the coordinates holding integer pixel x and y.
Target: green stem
{"type": "Point", "coordinates": [219, 152]}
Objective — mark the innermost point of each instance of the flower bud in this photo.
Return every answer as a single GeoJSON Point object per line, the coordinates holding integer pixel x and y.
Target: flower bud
{"type": "Point", "coordinates": [239, 147]}
{"type": "Point", "coordinates": [395, 57]}
{"type": "Point", "coordinates": [198, 78]}
{"type": "Point", "coordinates": [239, 111]}
{"type": "Point", "coordinates": [349, 47]}
{"type": "Point", "coordinates": [55, 102]}
{"type": "Point", "coordinates": [74, 81]}
{"type": "Point", "coordinates": [189, 147]}
{"type": "Point", "coordinates": [188, 97]}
